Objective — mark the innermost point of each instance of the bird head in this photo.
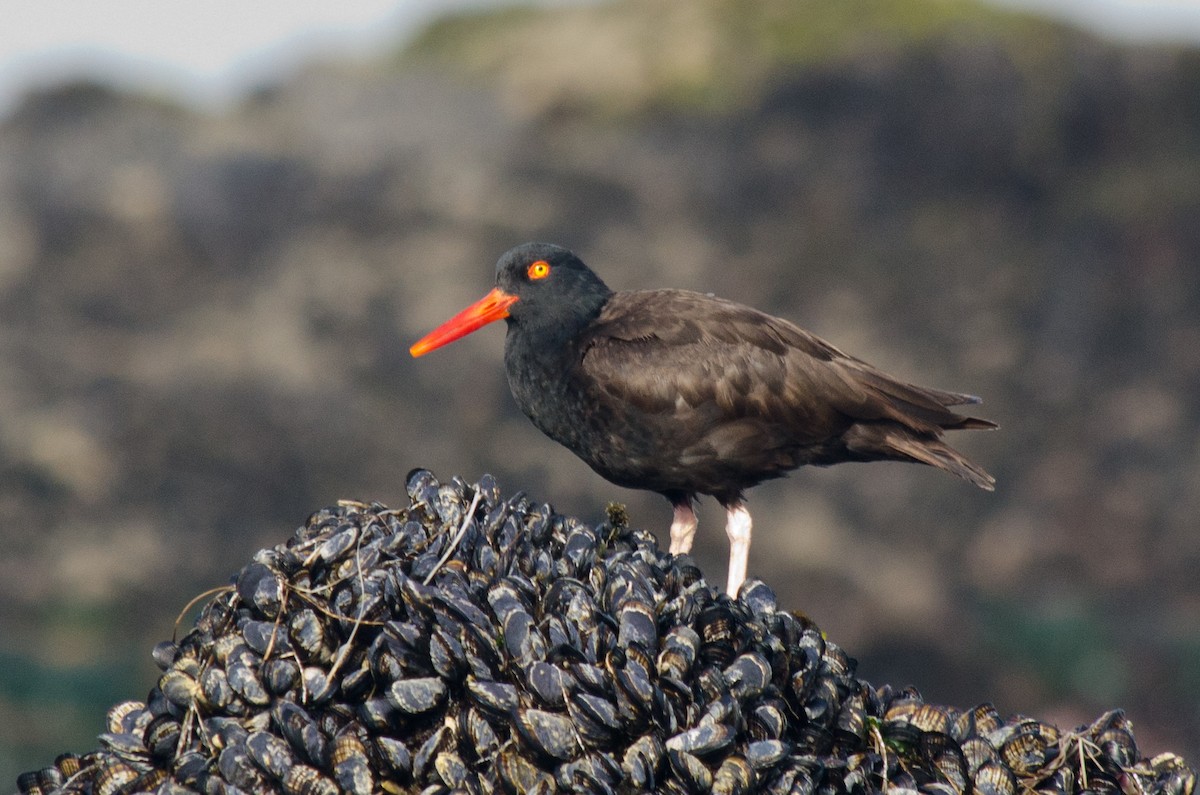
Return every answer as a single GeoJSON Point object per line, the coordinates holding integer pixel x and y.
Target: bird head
{"type": "Point", "coordinates": [538, 286]}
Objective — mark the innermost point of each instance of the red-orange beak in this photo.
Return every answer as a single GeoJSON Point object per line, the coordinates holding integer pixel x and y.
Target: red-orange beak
{"type": "Point", "coordinates": [492, 306]}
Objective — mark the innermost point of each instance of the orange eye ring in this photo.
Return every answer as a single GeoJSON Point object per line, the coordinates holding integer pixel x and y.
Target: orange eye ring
{"type": "Point", "coordinates": [538, 270]}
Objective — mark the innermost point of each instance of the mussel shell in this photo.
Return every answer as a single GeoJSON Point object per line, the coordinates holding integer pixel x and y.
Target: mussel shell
{"type": "Point", "coordinates": [1172, 776]}
{"type": "Point", "coordinates": [113, 777]}
{"type": "Point", "coordinates": [643, 761]}
{"type": "Point", "coordinates": [551, 684]}
{"type": "Point", "coordinates": [945, 756]}
{"type": "Point", "coordinates": [179, 687]}
{"type": "Point", "coordinates": [270, 753]}
{"type": "Point", "coordinates": [702, 740]}
{"type": "Point", "coordinates": [520, 775]}
{"type": "Point", "coordinates": [758, 596]}
{"type": "Point", "coordinates": [308, 636]}
{"type": "Point", "coordinates": [522, 638]}
{"type": "Point", "coordinates": [350, 766]}
{"type": "Point", "coordinates": [266, 636]}
{"type": "Point", "coordinates": [162, 736]}
{"type": "Point", "coordinates": [300, 731]}
{"type": "Point", "coordinates": [215, 689]}
{"type": "Point", "coordinates": [258, 585]}
{"type": "Point", "coordinates": [129, 747]}
{"type": "Point", "coordinates": [452, 770]}
{"type": "Point", "coordinates": [765, 754]}
{"type": "Point", "coordinates": [591, 773]}
{"type": "Point", "coordinates": [977, 751]}
{"type": "Point", "coordinates": [305, 780]}
{"type": "Point", "coordinates": [318, 687]}
{"type": "Point", "coordinates": [454, 608]}
{"type": "Point", "coordinates": [691, 773]}
{"type": "Point", "coordinates": [681, 647]}
{"type": "Point", "coordinates": [735, 776]}
{"type": "Point", "coordinates": [437, 742]}
{"type": "Point", "coordinates": [852, 718]}
{"type": "Point", "coordinates": [356, 683]}
{"type": "Point", "coordinates": [418, 695]}
{"type": "Point", "coordinates": [984, 720]}
{"type": "Point", "coordinates": [477, 735]}
{"type": "Point", "coordinates": [189, 766]}
{"type": "Point", "coordinates": [993, 778]}
{"type": "Point", "coordinates": [394, 758]}
{"type": "Point", "coordinates": [1029, 747]}
{"type": "Point", "coordinates": [334, 547]}
{"type": "Point", "coordinates": [125, 716]}
{"type": "Point", "coordinates": [447, 656]}
{"type": "Point", "coordinates": [280, 675]}
{"type": "Point", "coordinates": [499, 698]}
{"type": "Point", "coordinates": [379, 715]}
{"type": "Point", "coordinates": [636, 698]}
{"type": "Point", "coordinates": [748, 675]}
{"type": "Point", "coordinates": [591, 678]}
{"type": "Point", "coordinates": [29, 783]}
{"type": "Point", "coordinates": [724, 709]}
{"type": "Point", "coordinates": [547, 733]}
{"type": "Point", "coordinates": [165, 654]}
{"type": "Point", "coordinates": [718, 629]}
{"type": "Point", "coordinates": [237, 768]}
{"type": "Point", "coordinates": [638, 624]}
{"type": "Point", "coordinates": [768, 721]}
{"type": "Point", "coordinates": [1118, 744]}
{"type": "Point", "coordinates": [246, 683]}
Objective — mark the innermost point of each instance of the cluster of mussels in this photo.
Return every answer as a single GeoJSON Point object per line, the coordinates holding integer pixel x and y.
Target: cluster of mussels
{"type": "Point", "coordinates": [472, 644]}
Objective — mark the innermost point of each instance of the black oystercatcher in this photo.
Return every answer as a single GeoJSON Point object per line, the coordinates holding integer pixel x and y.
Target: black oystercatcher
{"type": "Point", "coordinates": [686, 394]}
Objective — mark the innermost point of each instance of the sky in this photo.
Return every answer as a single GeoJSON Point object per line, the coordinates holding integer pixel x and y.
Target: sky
{"type": "Point", "coordinates": [209, 51]}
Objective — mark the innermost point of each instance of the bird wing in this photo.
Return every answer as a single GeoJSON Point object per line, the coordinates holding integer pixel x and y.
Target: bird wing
{"type": "Point", "coordinates": [672, 351]}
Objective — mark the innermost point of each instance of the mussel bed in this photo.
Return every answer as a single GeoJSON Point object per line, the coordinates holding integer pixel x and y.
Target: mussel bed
{"type": "Point", "coordinates": [469, 643]}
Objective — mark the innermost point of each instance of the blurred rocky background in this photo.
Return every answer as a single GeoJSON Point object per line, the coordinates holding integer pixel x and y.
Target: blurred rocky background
{"type": "Point", "coordinates": [205, 316]}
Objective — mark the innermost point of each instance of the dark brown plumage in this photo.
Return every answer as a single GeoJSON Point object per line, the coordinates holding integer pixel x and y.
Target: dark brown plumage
{"type": "Point", "coordinates": [686, 394]}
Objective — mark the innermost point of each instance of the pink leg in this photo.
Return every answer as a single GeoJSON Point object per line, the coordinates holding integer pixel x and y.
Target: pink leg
{"type": "Point", "coordinates": [737, 527]}
{"type": "Point", "coordinates": [683, 528]}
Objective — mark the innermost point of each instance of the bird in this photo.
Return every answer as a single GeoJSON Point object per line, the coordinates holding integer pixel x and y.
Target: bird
{"type": "Point", "coordinates": [686, 394]}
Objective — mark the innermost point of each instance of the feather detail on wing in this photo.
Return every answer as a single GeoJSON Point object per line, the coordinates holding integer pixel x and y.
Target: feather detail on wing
{"type": "Point", "coordinates": [655, 348]}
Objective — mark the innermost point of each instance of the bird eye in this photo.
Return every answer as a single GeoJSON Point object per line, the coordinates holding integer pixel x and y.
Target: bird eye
{"type": "Point", "coordinates": [539, 270]}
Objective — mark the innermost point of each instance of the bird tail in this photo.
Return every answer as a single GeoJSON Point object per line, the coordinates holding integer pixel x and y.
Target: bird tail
{"type": "Point", "coordinates": [922, 409]}
{"type": "Point", "coordinates": [877, 442]}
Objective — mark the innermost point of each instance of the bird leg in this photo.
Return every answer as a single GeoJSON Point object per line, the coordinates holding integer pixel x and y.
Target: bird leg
{"type": "Point", "coordinates": [737, 527]}
{"type": "Point", "coordinates": [683, 527]}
